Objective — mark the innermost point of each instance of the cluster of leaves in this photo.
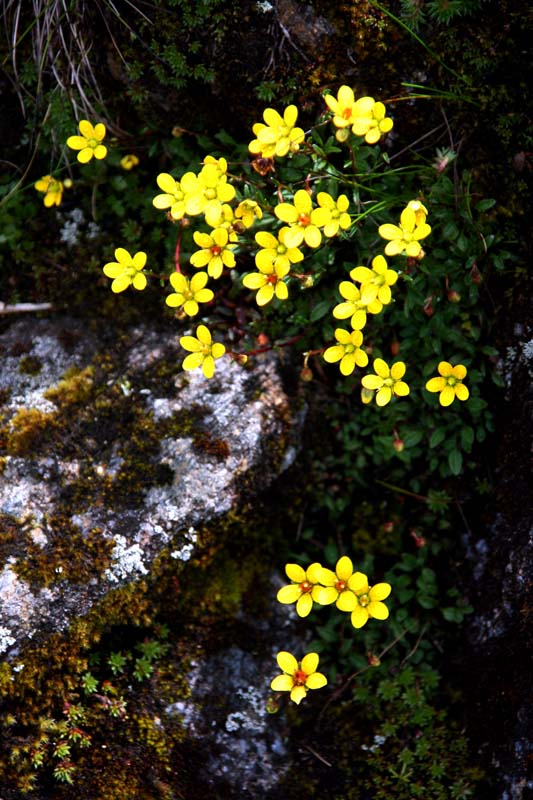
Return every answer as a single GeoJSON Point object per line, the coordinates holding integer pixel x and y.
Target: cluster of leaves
{"type": "Point", "coordinates": [59, 739]}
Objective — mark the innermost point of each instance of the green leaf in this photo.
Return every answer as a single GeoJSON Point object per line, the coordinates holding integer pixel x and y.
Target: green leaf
{"type": "Point", "coordinates": [437, 437]}
{"type": "Point", "coordinates": [455, 460]}
{"type": "Point", "coordinates": [320, 310]}
{"type": "Point", "coordinates": [484, 205]}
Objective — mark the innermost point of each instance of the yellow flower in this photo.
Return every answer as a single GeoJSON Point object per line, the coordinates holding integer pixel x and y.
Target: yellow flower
{"type": "Point", "coordinates": [304, 221]}
{"type": "Point", "coordinates": [173, 197]}
{"type": "Point", "coordinates": [188, 293]}
{"type": "Point", "coordinates": [298, 676]}
{"type": "Point", "coordinates": [216, 252]}
{"type": "Point", "coordinates": [275, 252]}
{"type": "Point", "coordinates": [341, 106]}
{"type": "Point", "coordinates": [213, 185]}
{"type": "Point", "coordinates": [304, 588]}
{"type": "Point", "coordinates": [279, 135]}
{"type": "Point", "coordinates": [248, 211]}
{"type": "Point", "coordinates": [129, 162]}
{"type": "Point", "coordinates": [90, 142]}
{"type": "Point", "coordinates": [338, 216]}
{"type": "Point", "coordinates": [449, 384]}
{"type": "Point", "coordinates": [375, 282]}
{"type": "Point", "coordinates": [369, 119]}
{"type": "Point", "coordinates": [369, 599]}
{"type": "Point", "coordinates": [337, 589]}
{"type": "Point", "coordinates": [420, 210]}
{"type": "Point", "coordinates": [269, 281]}
{"type": "Point", "coordinates": [354, 306]}
{"type": "Point", "coordinates": [52, 188]}
{"type": "Point", "coordinates": [203, 351]}
{"type": "Point", "coordinates": [126, 270]}
{"type": "Point", "coordinates": [221, 216]}
{"type": "Point", "coordinates": [406, 235]}
{"type": "Point", "coordinates": [386, 381]}
{"type": "Point", "coordinates": [348, 351]}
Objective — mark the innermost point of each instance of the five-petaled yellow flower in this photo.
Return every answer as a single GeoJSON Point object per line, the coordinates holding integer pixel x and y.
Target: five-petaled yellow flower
{"type": "Point", "coordinates": [276, 252]}
{"type": "Point", "coordinates": [202, 351]}
{"type": "Point", "coordinates": [375, 282]}
{"type": "Point", "coordinates": [304, 589]}
{"type": "Point", "coordinates": [52, 188]}
{"type": "Point", "coordinates": [89, 143]}
{"type": "Point", "coordinates": [173, 198]}
{"type": "Point", "coordinates": [216, 252]}
{"type": "Point", "coordinates": [298, 676]}
{"type": "Point", "coordinates": [406, 236]}
{"type": "Point", "coordinates": [354, 307]}
{"type": "Point", "coordinates": [348, 351]}
{"type": "Point", "coordinates": [338, 214]}
{"type": "Point", "coordinates": [248, 211]}
{"type": "Point", "coordinates": [341, 106]}
{"type": "Point", "coordinates": [279, 135]}
{"type": "Point", "coordinates": [303, 220]}
{"type": "Point", "coordinates": [337, 585]}
{"type": "Point", "coordinates": [188, 293]}
{"type": "Point", "coordinates": [368, 599]}
{"type": "Point", "coordinates": [386, 381]}
{"type": "Point", "coordinates": [449, 384]}
{"type": "Point", "coordinates": [126, 270]}
{"type": "Point", "coordinates": [369, 119]}
{"type": "Point", "coordinates": [269, 281]}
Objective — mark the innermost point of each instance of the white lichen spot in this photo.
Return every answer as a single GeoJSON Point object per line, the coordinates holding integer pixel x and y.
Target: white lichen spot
{"type": "Point", "coordinates": [185, 551]}
{"type": "Point", "coordinates": [127, 561]}
{"type": "Point", "coordinates": [6, 640]}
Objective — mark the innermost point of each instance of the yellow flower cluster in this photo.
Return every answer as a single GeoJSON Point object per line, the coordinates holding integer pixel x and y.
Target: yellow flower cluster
{"type": "Point", "coordinates": [364, 116]}
{"type": "Point", "coordinates": [350, 592]}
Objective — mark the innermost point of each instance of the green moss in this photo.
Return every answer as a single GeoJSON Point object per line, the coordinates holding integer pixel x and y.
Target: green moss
{"type": "Point", "coordinates": [26, 431]}
{"type": "Point", "coordinates": [67, 555]}
{"type": "Point", "coordinates": [74, 388]}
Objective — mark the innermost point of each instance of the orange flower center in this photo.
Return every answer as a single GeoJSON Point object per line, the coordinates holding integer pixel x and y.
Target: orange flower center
{"type": "Point", "coordinates": [340, 586]}
{"type": "Point", "coordinates": [306, 586]}
{"type": "Point", "coordinates": [304, 220]}
{"type": "Point", "coordinates": [347, 113]}
{"type": "Point", "coordinates": [272, 279]}
{"type": "Point", "coordinates": [216, 249]}
{"type": "Point", "coordinates": [299, 677]}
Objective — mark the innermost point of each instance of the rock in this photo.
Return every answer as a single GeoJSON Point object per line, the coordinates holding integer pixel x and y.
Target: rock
{"type": "Point", "coordinates": [111, 456]}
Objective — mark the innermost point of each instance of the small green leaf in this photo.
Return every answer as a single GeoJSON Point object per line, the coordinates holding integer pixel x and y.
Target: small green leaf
{"type": "Point", "coordinates": [437, 437]}
{"type": "Point", "coordinates": [320, 310]}
{"type": "Point", "coordinates": [455, 461]}
{"type": "Point", "coordinates": [484, 205]}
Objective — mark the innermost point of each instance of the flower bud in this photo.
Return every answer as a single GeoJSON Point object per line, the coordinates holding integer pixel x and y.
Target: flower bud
{"type": "Point", "coordinates": [395, 348]}
{"type": "Point", "coordinates": [306, 374]}
{"type": "Point", "coordinates": [453, 296]}
{"type": "Point", "coordinates": [398, 444]}
{"type": "Point", "coordinates": [262, 339]}
{"type": "Point", "coordinates": [373, 660]}
{"type": "Point", "coordinates": [419, 540]}
{"type": "Point", "coordinates": [475, 274]}
{"type": "Point", "coordinates": [241, 358]}
{"type": "Point", "coordinates": [388, 527]}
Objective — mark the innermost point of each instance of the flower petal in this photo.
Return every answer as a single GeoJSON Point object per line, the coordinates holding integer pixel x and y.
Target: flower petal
{"type": "Point", "coordinates": [346, 601]}
{"type": "Point", "coordinates": [359, 617]}
{"type": "Point", "coordinates": [380, 591]}
{"type": "Point", "coordinates": [310, 663]}
{"type": "Point", "coordinates": [344, 568]}
{"type": "Point", "coordinates": [282, 683]}
{"type": "Point", "coordinates": [295, 572]}
{"type": "Point", "coordinates": [298, 694]}
{"type": "Point", "coordinates": [316, 681]}
{"type": "Point", "coordinates": [358, 583]}
{"type": "Point", "coordinates": [288, 594]}
{"type": "Point", "coordinates": [377, 610]}
{"type": "Point", "coordinates": [304, 604]}
{"type": "Point", "coordinates": [286, 662]}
